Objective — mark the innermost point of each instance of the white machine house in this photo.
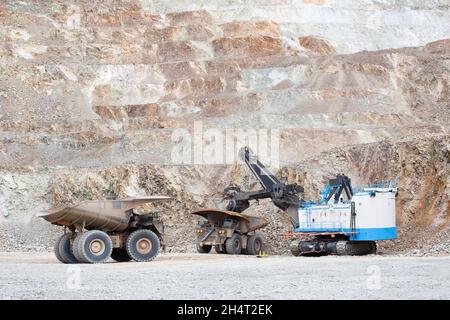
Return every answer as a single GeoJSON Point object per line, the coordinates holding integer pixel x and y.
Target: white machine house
{"type": "Point", "coordinates": [347, 221]}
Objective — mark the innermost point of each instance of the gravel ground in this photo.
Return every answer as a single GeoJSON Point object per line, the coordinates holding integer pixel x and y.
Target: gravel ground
{"type": "Point", "coordinates": [196, 276]}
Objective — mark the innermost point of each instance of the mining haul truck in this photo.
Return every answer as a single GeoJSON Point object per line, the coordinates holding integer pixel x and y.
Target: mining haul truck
{"type": "Point", "coordinates": [100, 229]}
{"type": "Point", "coordinates": [229, 232]}
{"type": "Point", "coordinates": [344, 222]}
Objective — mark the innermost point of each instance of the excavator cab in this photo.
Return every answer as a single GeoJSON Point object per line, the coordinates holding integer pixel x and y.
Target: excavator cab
{"type": "Point", "coordinates": [337, 189]}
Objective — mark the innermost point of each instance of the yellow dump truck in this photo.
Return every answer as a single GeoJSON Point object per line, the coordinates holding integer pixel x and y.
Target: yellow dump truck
{"type": "Point", "coordinates": [229, 232]}
{"type": "Point", "coordinates": [96, 230]}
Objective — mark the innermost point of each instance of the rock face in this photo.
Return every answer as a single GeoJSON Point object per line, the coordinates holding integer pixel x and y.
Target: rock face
{"type": "Point", "coordinates": [92, 92]}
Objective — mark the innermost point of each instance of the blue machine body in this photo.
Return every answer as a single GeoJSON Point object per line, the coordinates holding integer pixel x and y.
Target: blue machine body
{"type": "Point", "coordinates": [369, 214]}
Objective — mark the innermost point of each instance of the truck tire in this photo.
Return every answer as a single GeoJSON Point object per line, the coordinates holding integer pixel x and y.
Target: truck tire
{"type": "Point", "coordinates": [255, 244]}
{"type": "Point", "coordinates": [93, 246]}
{"type": "Point", "coordinates": [63, 251]}
{"type": "Point", "coordinates": [120, 255]}
{"type": "Point", "coordinates": [56, 249]}
{"type": "Point", "coordinates": [220, 249]}
{"type": "Point", "coordinates": [233, 245]}
{"type": "Point", "coordinates": [203, 249]}
{"type": "Point", "coordinates": [142, 245]}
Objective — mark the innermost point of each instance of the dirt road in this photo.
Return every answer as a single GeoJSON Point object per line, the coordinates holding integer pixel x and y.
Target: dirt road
{"type": "Point", "coordinates": [196, 276]}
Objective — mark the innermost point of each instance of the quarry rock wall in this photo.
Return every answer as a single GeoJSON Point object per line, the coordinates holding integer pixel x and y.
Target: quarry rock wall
{"type": "Point", "coordinates": [91, 93]}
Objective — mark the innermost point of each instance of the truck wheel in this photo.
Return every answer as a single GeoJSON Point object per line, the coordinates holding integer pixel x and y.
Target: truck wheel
{"type": "Point", "coordinates": [203, 249]}
{"type": "Point", "coordinates": [142, 245]}
{"type": "Point", "coordinates": [255, 244]}
{"type": "Point", "coordinates": [63, 251]}
{"type": "Point", "coordinates": [219, 248]}
{"type": "Point", "coordinates": [120, 255]}
{"type": "Point", "coordinates": [233, 245]}
{"type": "Point", "coordinates": [92, 246]}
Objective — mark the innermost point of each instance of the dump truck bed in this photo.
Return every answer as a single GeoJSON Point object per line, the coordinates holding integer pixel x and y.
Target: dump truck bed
{"type": "Point", "coordinates": [215, 216]}
{"type": "Point", "coordinates": [106, 215]}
